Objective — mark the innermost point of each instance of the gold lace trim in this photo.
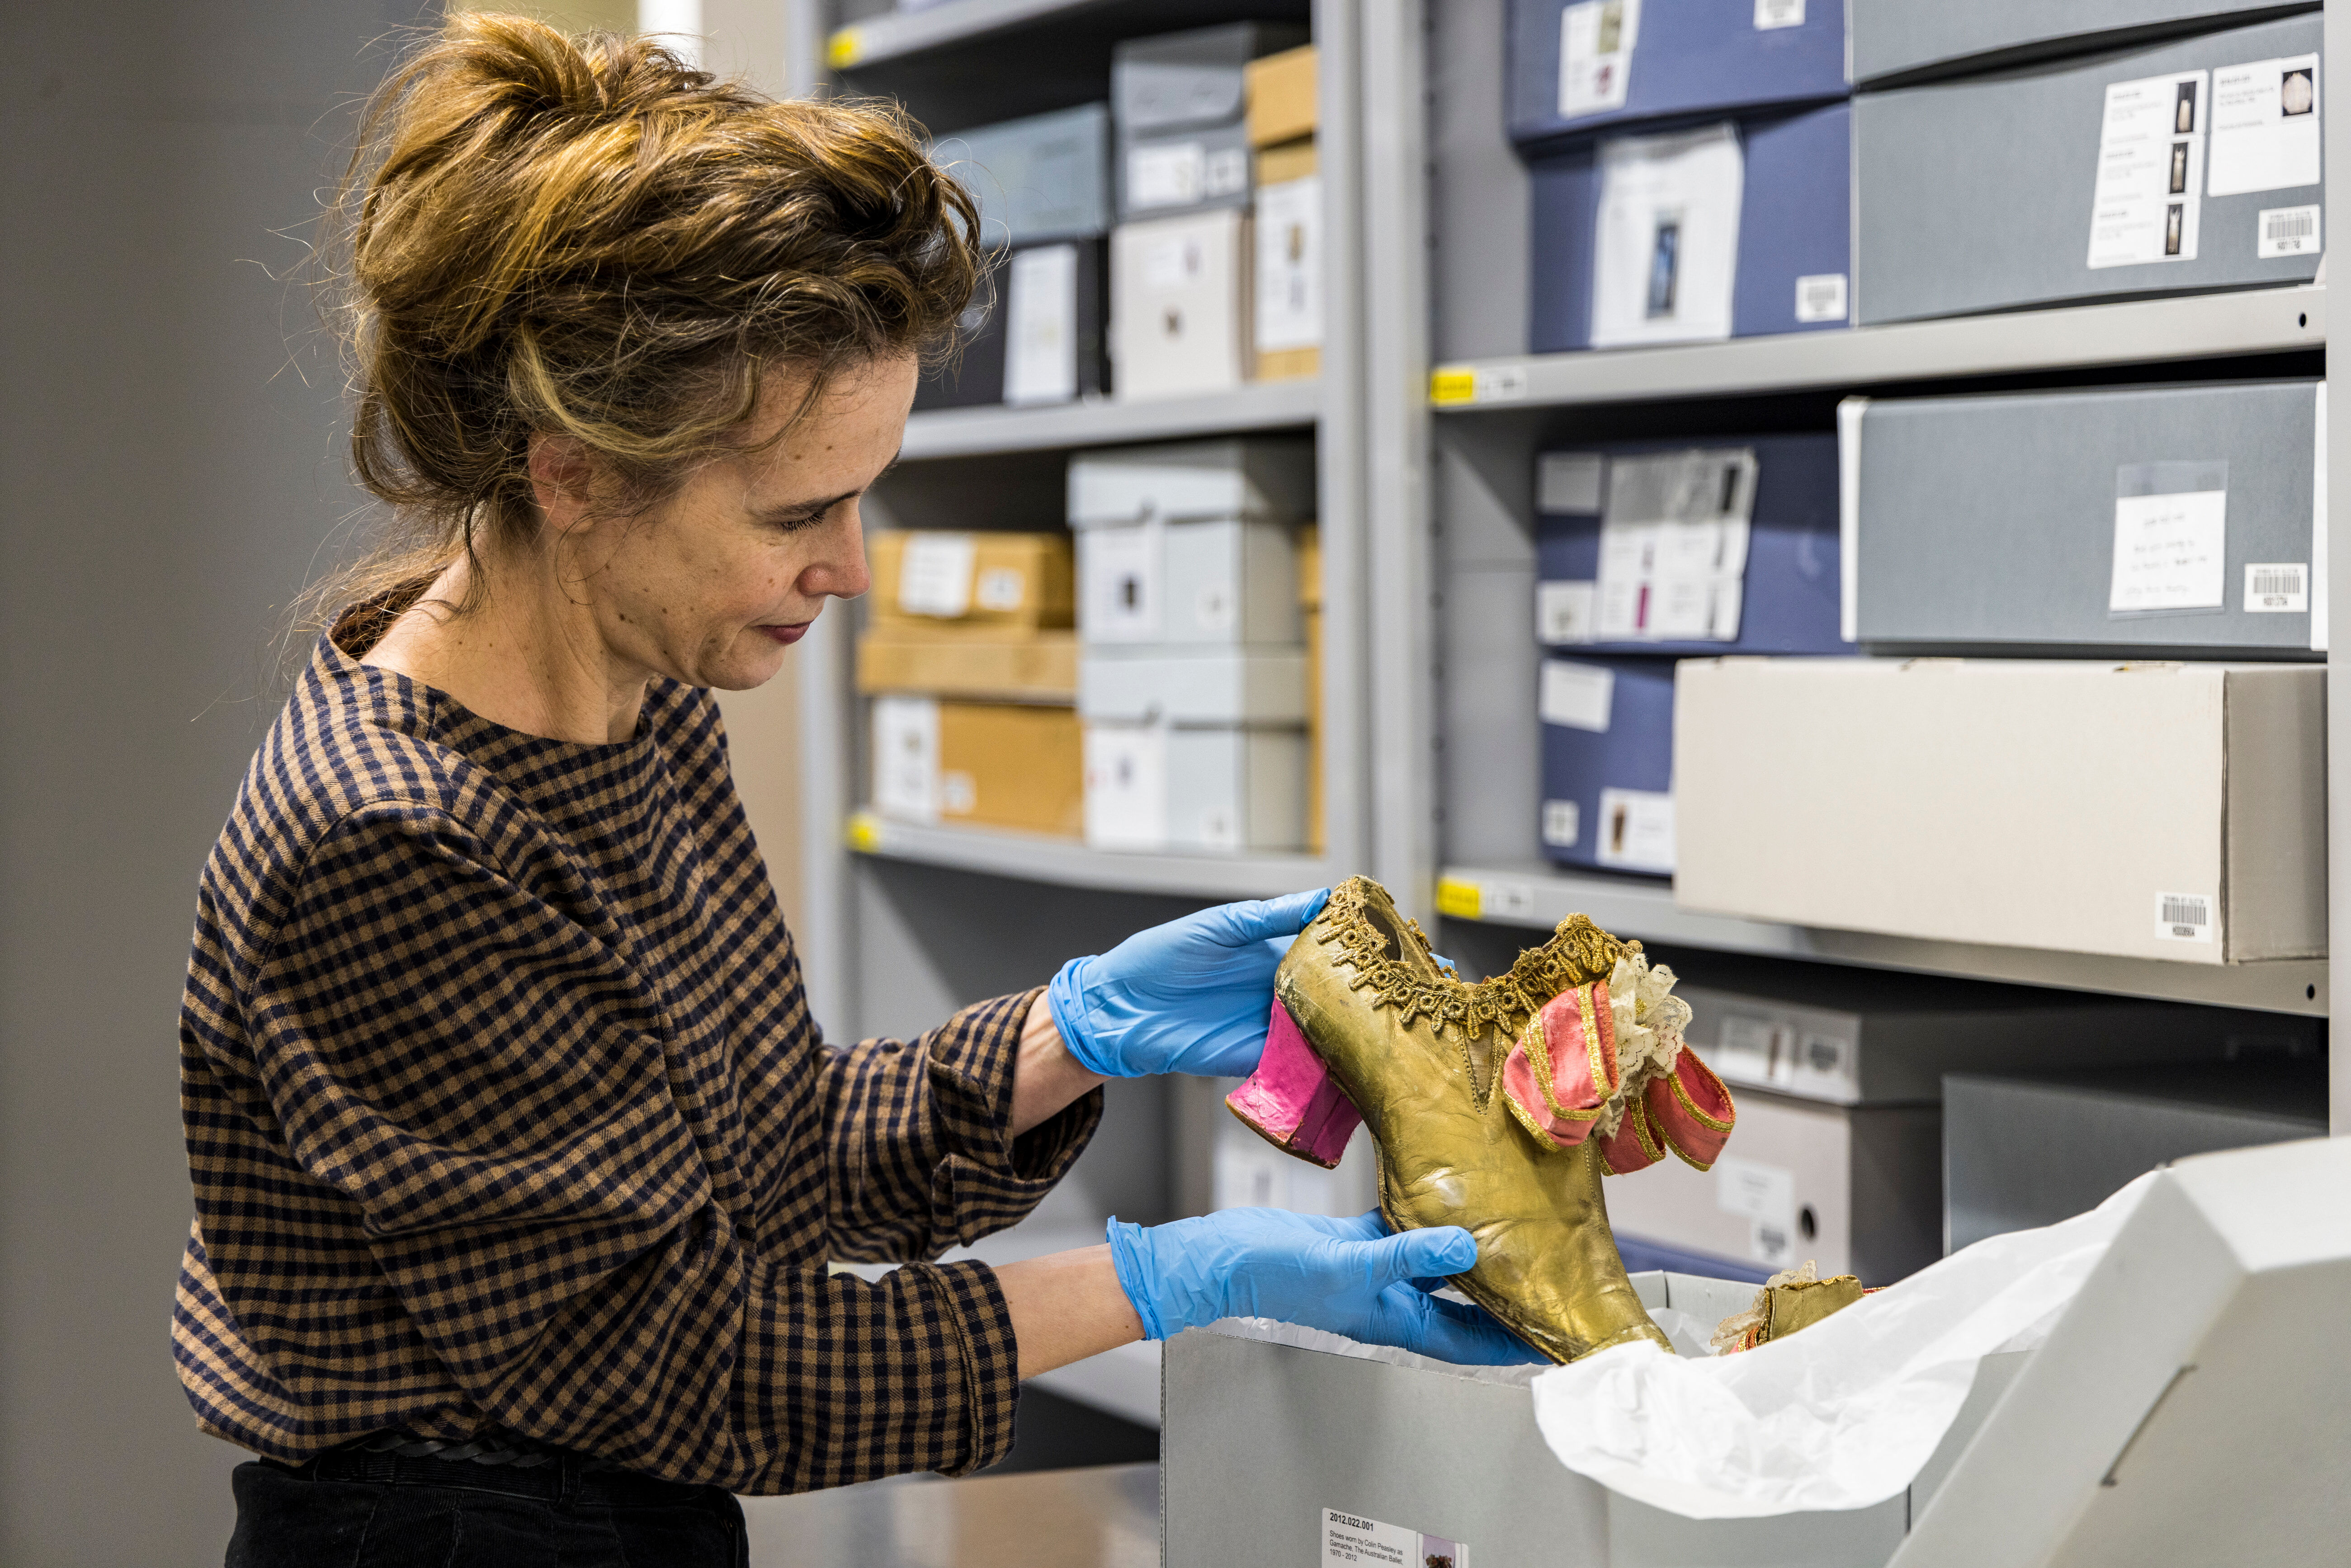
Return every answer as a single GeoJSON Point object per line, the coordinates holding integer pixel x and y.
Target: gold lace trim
{"type": "Point", "coordinates": [1578, 952]}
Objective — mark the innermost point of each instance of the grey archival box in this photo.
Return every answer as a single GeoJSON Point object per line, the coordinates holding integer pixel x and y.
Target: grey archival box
{"type": "Point", "coordinates": [1989, 522]}
{"type": "Point", "coordinates": [1976, 194]}
{"type": "Point", "coordinates": [1045, 177]}
{"type": "Point", "coordinates": [1894, 38]}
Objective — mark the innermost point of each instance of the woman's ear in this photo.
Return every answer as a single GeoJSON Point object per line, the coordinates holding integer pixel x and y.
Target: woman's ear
{"type": "Point", "coordinates": [560, 473]}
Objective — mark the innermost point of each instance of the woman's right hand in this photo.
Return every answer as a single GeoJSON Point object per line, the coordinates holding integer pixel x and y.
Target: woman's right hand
{"type": "Point", "coordinates": [1349, 1275]}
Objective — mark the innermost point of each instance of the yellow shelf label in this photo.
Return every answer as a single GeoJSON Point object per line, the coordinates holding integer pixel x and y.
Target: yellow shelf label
{"type": "Point", "coordinates": [1450, 384]}
{"type": "Point", "coordinates": [1461, 900]}
{"type": "Point", "coordinates": [864, 833]}
{"type": "Point", "coordinates": [844, 48]}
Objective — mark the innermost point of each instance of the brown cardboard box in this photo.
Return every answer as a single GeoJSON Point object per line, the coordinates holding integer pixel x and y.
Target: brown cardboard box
{"type": "Point", "coordinates": [994, 764]}
{"type": "Point", "coordinates": [1310, 595]}
{"type": "Point", "coordinates": [1281, 96]}
{"type": "Point", "coordinates": [1007, 580]}
{"type": "Point", "coordinates": [1289, 161]}
{"type": "Point", "coordinates": [951, 660]}
{"type": "Point", "coordinates": [1276, 166]}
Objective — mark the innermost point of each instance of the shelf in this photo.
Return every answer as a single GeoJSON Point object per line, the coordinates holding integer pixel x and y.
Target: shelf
{"type": "Point", "coordinates": [2194, 327]}
{"type": "Point", "coordinates": [1033, 858]}
{"type": "Point", "coordinates": [898, 35]}
{"type": "Point", "coordinates": [977, 432]}
{"type": "Point", "coordinates": [1541, 898]}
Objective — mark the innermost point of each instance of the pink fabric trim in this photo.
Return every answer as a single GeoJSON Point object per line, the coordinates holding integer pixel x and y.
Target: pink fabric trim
{"type": "Point", "coordinates": [1292, 1099]}
{"type": "Point", "coordinates": [1684, 1123]}
{"type": "Point", "coordinates": [1571, 1037]}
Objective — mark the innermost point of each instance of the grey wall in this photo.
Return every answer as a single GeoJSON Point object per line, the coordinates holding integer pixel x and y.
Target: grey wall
{"type": "Point", "coordinates": [172, 464]}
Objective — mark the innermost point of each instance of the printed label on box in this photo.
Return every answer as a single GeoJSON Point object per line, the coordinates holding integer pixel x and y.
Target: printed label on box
{"type": "Point", "coordinates": [1122, 584]}
{"type": "Point", "coordinates": [1126, 787]}
{"type": "Point", "coordinates": [906, 757]}
{"type": "Point", "coordinates": [1766, 1195]}
{"type": "Point", "coordinates": [1169, 174]}
{"type": "Point", "coordinates": [1350, 1539]}
{"type": "Point", "coordinates": [2265, 127]}
{"type": "Point", "coordinates": [958, 794]}
{"type": "Point", "coordinates": [1664, 250]}
{"type": "Point", "coordinates": [1820, 297]}
{"type": "Point", "coordinates": [935, 574]}
{"type": "Point", "coordinates": [1173, 261]}
{"type": "Point", "coordinates": [2170, 551]}
{"type": "Point", "coordinates": [1562, 822]}
{"type": "Point", "coordinates": [1040, 326]}
{"type": "Point", "coordinates": [2277, 588]}
{"type": "Point", "coordinates": [2286, 231]}
{"type": "Point", "coordinates": [1225, 173]}
{"type": "Point", "coordinates": [1290, 264]}
{"type": "Point", "coordinates": [2145, 206]}
{"type": "Point", "coordinates": [1509, 901]}
{"type": "Point", "coordinates": [1002, 588]}
{"type": "Point", "coordinates": [1636, 831]}
{"type": "Point", "coordinates": [2183, 916]}
{"type": "Point", "coordinates": [1570, 481]}
{"type": "Point", "coordinates": [1564, 611]}
{"type": "Point", "coordinates": [1770, 13]}
{"type": "Point", "coordinates": [1578, 697]}
{"type": "Point", "coordinates": [1672, 546]}
{"type": "Point", "coordinates": [1596, 55]}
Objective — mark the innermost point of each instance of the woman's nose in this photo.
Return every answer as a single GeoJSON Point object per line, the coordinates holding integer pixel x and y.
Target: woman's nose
{"type": "Point", "coordinates": [840, 569]}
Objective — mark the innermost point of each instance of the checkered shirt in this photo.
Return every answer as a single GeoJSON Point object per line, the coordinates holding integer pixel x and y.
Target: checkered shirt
{"type": "Point", "coordinates": [504, 1112]}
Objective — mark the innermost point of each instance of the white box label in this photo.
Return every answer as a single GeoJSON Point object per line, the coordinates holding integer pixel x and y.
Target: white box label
{"type": "Point", "coordinates": [1664, 251]}
{"type": "Point", "coordinates": [1509, 901]}
{"type": "Point", "coordinates": [2170, 551]}
{"type": "Point", "coordinates": [2277, 588]}
{"type": "Point", "coordinates": [1563, 611]}
{"type": "Point", "coordinates": [1820, 297]}
{"type": "Point", "coordinates": [1770, 13]}
{"type": "Point", "coordinates": [1226, 173]}
{"type": "Point", "coordinates": [1636, 831]}
{"type": "Point", "coordinates": [1562, 823]}
{"type": "Point", "coordinates": [1578, 696]}
{"type": "Point", "coordinates": [935, 574]}
{"type": "Point", "coordinates": [2183, 916]}
{"type": "Point", "coordinates": [1290, 264]}
{"type": "Point", "coordinates": [1002, 588]}
{"type": "Point", "coordinates": [2286, 231]}
{"type": "Point", "coordinates": [1040, 326]}
{"type": "Point", "coordinates": [1171, 174]}
{"type": "Point", "coordinates": [1570, 481]}
{"type": "Point", "coordinates": [2265, 127]}
{"type": "Point", "coordinates": [1759, 1191]}
{"type": "Point", "coordinates": [2150, 171]}
{"type": "Point", "coordinates": [1350, 1539]}
{"type": "Point", "coordinates": [1126, 787]}
{"type": "Point", "coordinates": [1120, 566]}
{"type": "Point", "coordinates": [906, 757]}
{"type": "Point", "coordinates": [1596, 55]}
{"type": "Point", "coordinates": [1673, 547]}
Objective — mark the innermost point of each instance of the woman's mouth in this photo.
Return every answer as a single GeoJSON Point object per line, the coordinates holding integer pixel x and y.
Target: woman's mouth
{"type": "Point", "coordinates": [787, 634]}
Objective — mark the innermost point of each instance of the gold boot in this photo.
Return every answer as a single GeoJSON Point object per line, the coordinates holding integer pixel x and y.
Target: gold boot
{"type": "Point", "coordinates": [1422, 1058]}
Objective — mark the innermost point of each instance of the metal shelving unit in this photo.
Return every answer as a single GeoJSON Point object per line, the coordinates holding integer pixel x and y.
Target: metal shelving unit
{"type": "Point", "coordinates": [1033, 857]}
{"type": "Point", "coordinates": [1105, 422]}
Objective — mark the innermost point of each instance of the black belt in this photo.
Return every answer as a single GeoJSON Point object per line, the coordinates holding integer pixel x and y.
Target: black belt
{"type": "Point", "coordinates": [507, 1464]}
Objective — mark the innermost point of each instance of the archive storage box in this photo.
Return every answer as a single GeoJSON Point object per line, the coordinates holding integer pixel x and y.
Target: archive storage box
{"type": "Point", "coordinates": [1286, 279]}
{"type": "Point", "coordinates": [1893, 39]}
{"type": "Point", "coordinates": [1735, 229]}
{"type": "Point", "coordinates": [1206, 789]}
{"type": "Point", "coordinates": [1181, 104]}
{"type": "Point", "coordinates": [2166, 517]}
{"type": "Point", "coordinates": [1858, 1188]}
{"type": "Point", "coordinates": [1608, 763]}
{"type": "Point", "coordinates": [2031, 1148]}
{"type": "Point", "coordinates": [1712, 546]}
{"type": "Point", "coordinates": [2165, 169]}
{"type": "Point", "coordinates": [1579, 66]}
{"type": "Point", "coordinates": [2153, 811]}
{"type": "Point", "coordinates": [1180, 317]}
{"type": "Point", "coordinates": [1008, 664]}
{"type": "Point", "coordinates": [1044, 177]}
{"type": "Point", "coordinates": [1193, 543]}
{"type": "Point", "coordinates": [1285, 1446]}
{"type": "Point", "coordinates": [941, 578]}
{"type": "Point", "coordinates": [994, 764]}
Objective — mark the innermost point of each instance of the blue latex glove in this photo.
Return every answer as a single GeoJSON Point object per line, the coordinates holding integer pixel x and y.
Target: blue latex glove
{"type": "Point", "coordinates": [1349, 1275]}
{"type": "Point", "coordinates": [1191, 996]}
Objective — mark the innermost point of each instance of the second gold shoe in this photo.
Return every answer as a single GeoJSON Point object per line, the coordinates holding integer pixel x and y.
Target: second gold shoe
{"type": "Point", "coordinates": [1496, 1106]}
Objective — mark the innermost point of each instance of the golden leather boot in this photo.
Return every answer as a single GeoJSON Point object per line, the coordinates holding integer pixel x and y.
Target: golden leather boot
{"type": "Point", "coordinates": [1496, 1106]}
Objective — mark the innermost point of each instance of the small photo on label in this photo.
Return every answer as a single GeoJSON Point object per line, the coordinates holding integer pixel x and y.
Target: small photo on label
{"type": "Point", "coordinates": [2295, 93]}
{"type": "Point", "coordinates": [1665, 265]}
{"type": "Point", "coordinates": [2183, 114]}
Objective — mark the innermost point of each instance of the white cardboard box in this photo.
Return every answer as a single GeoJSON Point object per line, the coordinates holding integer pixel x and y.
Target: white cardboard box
{"type": "Point", "coordinates": [1266, 479]}
{"type": "Point", "coordinates": [2151, 810]}
{"type": "Point", "coordinates": [1204, 583]}
{"type": "Point", "coordinates": [1193, 686]}
{"type": "Point", "coordinates": [1217, 789]}
{"type": "Point", "coordinates": [1180, 306]}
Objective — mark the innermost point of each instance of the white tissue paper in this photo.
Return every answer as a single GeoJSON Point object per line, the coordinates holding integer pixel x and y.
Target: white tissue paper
{"type": "Point", "coordinates": [1842, 1416]}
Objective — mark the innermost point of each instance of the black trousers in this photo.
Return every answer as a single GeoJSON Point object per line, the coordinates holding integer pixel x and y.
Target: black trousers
{"type": "Point", "coordinates": [351, 1510]}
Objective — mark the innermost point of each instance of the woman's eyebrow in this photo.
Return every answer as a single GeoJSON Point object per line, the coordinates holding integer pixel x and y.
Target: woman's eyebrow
{"type": "Point", "coordinates": [809, 508]}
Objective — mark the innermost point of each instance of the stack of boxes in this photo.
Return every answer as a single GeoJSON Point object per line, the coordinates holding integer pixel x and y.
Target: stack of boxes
{"type": "Point", "coordinates": [1647, 551]}
{"type": "Point", "coordinates": [1688, 165]}
{"type": "Point", "coordinates": [1039, 334]}
{"type": "Point", "coordinates": [973, 668]}
{"type": "Point", "coordinates": [1193, 656]}
{"type": "Point", "coordinates": [1288, 279]}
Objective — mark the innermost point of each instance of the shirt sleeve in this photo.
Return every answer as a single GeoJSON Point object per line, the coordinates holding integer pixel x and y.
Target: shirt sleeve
{"type": "Point", "coordinates": [469, 1061]}
{"type": "Point", "coordinates": [921, 1142]}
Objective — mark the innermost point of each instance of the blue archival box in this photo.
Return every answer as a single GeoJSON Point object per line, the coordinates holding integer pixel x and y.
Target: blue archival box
{"type": "Point", "coordinates": [1691, 59]}
{"type": "Point", "coordinates": [1586, 772]}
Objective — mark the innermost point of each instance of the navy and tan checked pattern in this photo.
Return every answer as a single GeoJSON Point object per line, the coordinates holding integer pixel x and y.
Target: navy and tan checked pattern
{"type": "Point", "coordinates": [505, 1111]}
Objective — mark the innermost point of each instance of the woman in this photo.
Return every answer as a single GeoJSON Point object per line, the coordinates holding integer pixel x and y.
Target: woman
{"type": "Point", "coordinates": [518, 1158]}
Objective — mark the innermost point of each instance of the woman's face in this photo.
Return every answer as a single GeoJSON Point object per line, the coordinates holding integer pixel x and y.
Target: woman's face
{"type": "Point", "coordinates": [711, 585]}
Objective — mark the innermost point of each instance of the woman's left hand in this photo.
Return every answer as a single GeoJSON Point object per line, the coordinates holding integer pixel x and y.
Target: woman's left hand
{"type": "Point", "coordinates": [1192, 996]}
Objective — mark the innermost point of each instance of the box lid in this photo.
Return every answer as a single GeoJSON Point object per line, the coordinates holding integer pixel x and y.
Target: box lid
{"type": "Point", "coordinates": [1256, 479]}
{"type": "Point", "coordinates": [1043, 177]}
{"type": "Point", "coordinates": [1281, 96]}
{"type": "Point", "coordinates": [1177, 81]}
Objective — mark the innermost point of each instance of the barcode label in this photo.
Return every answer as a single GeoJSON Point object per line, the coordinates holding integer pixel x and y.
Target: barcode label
{"type": "Point", "coordinates": [2277, 588]}
{"type": "Point", "coordinates": [2183, 916]}
{"type": "Point", "coordinates": [1820, 297]}
{"type": "Point", "coordinates": [2286, 231]}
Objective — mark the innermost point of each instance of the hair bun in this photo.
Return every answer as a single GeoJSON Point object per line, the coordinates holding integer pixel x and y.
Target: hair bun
{"type": "Point", "coordinates": [521, 65]}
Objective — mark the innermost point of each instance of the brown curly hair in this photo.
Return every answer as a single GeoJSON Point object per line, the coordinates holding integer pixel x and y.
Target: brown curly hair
{"type": "Point", "coordinates": [587, 237]}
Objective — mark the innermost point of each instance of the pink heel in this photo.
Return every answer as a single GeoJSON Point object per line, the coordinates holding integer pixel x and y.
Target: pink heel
{"type": "Point", "coordinates": [1291, 1101]}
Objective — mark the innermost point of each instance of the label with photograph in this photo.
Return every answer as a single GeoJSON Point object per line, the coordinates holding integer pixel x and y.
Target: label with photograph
{"type": "Point", "coordinates": [2265, 127]}
{"type": "Point", "coordinates": [1672, 546]}
{"type": "Point", "coordinates": [1349, 1539]}
{"type": "Point", "coordinates": [1596, 55]}
{"type": "Point", "coordinates": [1290, 264]}
{"type": "Point", "coordinates": [2150, 171]}
{"type": "Point", "coordinates": [1635, 831]}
